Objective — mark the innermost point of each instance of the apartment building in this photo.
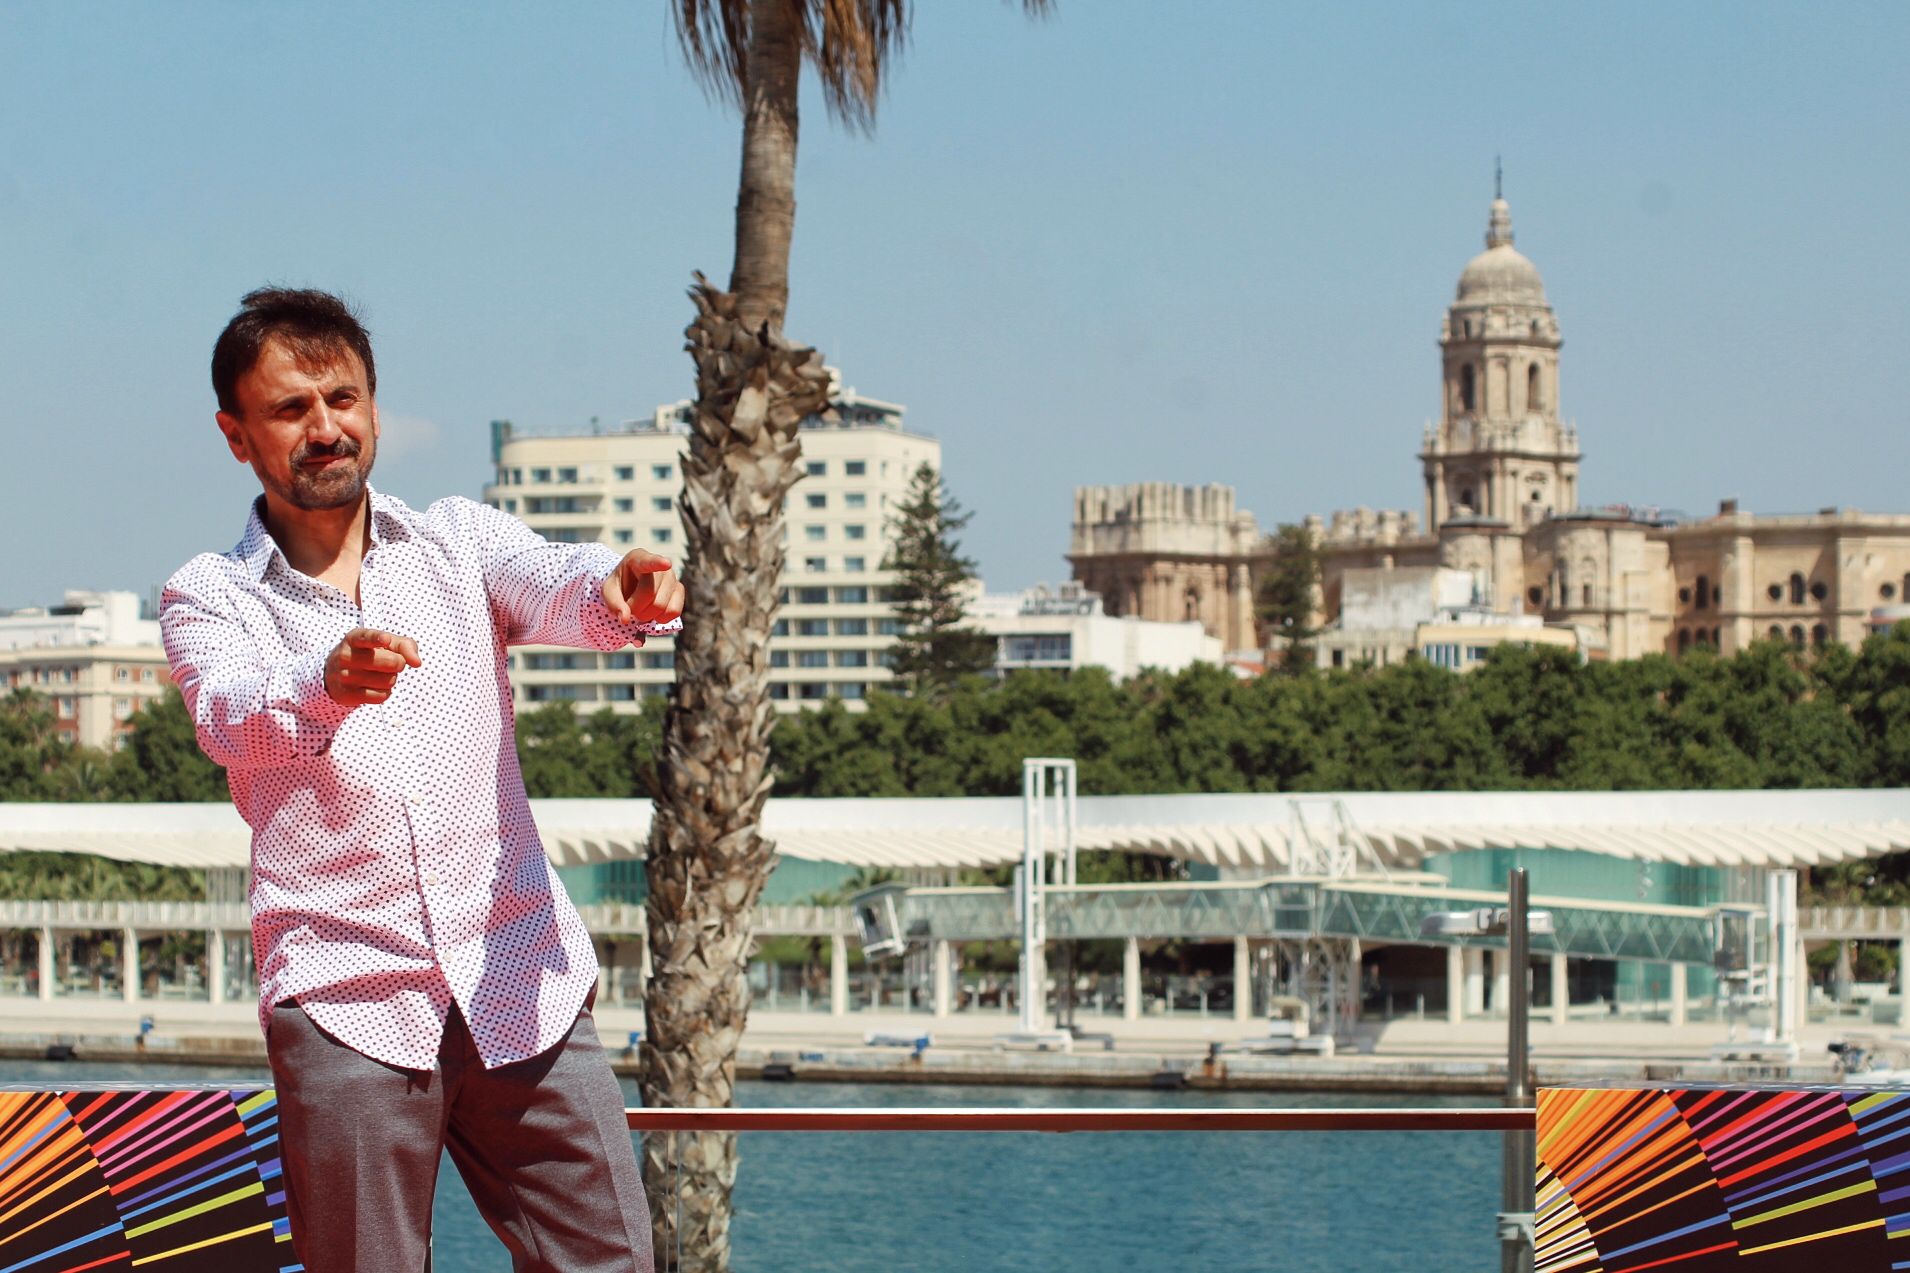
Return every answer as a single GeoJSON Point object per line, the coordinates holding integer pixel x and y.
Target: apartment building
{"type": "Point", "coordinates": [93, 656]}
{"type": "Point", "coordinates": [619, 486]}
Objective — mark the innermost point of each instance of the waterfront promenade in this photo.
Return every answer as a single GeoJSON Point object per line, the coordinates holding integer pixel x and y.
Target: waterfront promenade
{"type": "Point", "coordinates": [1402, 1055]}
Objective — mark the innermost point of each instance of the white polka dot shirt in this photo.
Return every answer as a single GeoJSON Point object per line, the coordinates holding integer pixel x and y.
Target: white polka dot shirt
{"type": "Point", "coordinates": [395, 869]}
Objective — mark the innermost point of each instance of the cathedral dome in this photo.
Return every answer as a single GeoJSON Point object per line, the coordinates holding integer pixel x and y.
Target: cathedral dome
{"type": "Point", "coordinates": [1501, 275]}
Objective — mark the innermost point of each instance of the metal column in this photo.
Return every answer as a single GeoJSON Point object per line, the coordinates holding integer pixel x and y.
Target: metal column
{"type": "Point", "coordinates": [838, 975]}
{"type": "Point", "coordinates": [1521, 1147]}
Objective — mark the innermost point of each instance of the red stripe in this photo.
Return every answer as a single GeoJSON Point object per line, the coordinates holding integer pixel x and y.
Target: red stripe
{"type": "Point", "coordinates": [1673, 1259]}
{"type": "Point", "coordinates": [79, 1268]}
{"type": "Point", "coordinates": [1759, 1113]}
{"type": "Point", "coordinates": [1765, 1164]}
{"type": "Point", "coordinates": [191, 1151]}
{"type": "Point", "coordinates": [169, 1103]}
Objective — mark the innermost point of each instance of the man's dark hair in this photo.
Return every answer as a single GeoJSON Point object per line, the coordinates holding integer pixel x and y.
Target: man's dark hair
{"type": "Point", "coordinates": [315, 326]}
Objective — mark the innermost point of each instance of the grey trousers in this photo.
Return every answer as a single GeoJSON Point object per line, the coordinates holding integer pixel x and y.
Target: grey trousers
{"type": "Point", "coordinates": [542, 1145]}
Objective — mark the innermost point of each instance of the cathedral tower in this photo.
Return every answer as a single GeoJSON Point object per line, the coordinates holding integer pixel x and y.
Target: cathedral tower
{"type": "Point", "coordinates": [1499, 452]}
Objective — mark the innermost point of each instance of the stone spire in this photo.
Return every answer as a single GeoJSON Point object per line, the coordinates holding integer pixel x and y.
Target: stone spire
{"type": "Point", "coordinates": [1499, 224]}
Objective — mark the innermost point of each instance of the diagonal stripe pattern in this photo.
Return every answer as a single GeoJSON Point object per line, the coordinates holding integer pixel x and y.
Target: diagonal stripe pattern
{"type": "Point", "coordinates": [1691, 1180]}
{"type": "Point", "coordinates": [183, 1181]}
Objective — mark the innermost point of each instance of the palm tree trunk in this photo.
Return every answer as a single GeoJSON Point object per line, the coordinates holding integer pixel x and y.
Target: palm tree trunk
{"type": "Point", "coordinates": [707, 860]}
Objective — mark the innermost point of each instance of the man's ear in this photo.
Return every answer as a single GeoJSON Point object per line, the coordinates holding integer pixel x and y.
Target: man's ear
{"type": "Point", "coordinates": [234, 436]}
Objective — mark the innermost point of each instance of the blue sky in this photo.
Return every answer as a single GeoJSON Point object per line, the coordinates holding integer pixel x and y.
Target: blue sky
{"type": "Point", "coordinates": [1200, 242]}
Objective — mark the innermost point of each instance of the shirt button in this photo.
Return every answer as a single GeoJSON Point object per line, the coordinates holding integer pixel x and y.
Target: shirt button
{"type": "Point", "coordinates": [414, 797]}
{"type": "Point", "coordinates": [431, 878]}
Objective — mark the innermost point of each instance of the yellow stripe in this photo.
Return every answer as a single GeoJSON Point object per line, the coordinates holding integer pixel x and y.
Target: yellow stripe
{"type": "Point", "coordinates": [1566, 1117]}
{"type": "Point", "coordinates": [1809, 1237]}
{"type": "Point", "coordinates": [57, 1214]}
{"type": "Point", "coordinates": [1849, 1191]}
{"type": "Point", "coordinates": [203, 1207]}
{"type": "Point", "coordinates": [253, 1102]}
{"type": "Point", "coordinates": [223, 1237]}
{"type": "Point", "coordinates": [1872, 1102]}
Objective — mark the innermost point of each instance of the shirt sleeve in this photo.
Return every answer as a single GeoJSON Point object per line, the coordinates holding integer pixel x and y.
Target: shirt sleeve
{"type": "Point", "coordinates": [552, 594]}
{"type": "Point", "coordinates": [246, 712]}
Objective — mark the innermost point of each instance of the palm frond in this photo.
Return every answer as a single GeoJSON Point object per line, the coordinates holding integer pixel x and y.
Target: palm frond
{"type": "Point", "coordinates": [849, 42]}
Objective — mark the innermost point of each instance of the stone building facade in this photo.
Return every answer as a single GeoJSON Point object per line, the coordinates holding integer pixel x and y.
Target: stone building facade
{"type": "Point", "coordinates": [1501, 473]}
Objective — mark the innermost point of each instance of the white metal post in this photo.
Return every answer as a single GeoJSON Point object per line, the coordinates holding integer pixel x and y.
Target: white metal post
{"type": "Point", "coordinates": [49, 969]}
{"type": "Point", "coordinates": [1561, 990]}
{"type": "Point", "coordinates": [939, 960]}
{"type": "Point", "coordinates": [1047, 827]}
{"type": "Point", "coordinates": [1787, 985]}
{"type": "Point", "coordinates": [1243, 980]}
{"type": "Point", "coordinates": [1131, 979]}
{"type": "Point", "coordinates": [129, 964]}
{"type": "Point", "coordinates": [1455, 984]}
{"type": "Point", "coordinates": [838, 975]}
{"type": "Point", "coordinates": [215, 967]}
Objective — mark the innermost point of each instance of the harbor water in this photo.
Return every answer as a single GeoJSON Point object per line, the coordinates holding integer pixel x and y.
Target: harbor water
{"type": "Point", "coordinates": [952, 1202]}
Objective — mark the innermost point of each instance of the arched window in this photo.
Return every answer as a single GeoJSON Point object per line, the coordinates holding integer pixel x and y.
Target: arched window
{"type": "Point", "coordinates": [1684, 639]}
{"type": "Point", "coordinates": [1587, 593]}
{"type": "Point", "coordinates": [1534, 399]}
{"type": "Point", "coordinates": [1704, 592]}
{"type": "Point", "coordinates": [1465, 500]}
{"type": "Point", "coordinates": [1819, 635]}
{"type": "Point", "coordinates": [1797, 590]}
{"type": "Point", "coordinates": [1819, 591]}
{"type": "Point", "coordinates": [1776, 633]}
{"type": "Point", "coordinates": [1776, 591]}
{"type": "Point", "coordinates": [1536, 596]}
{"type": "Point", "coordinates": [1797, 636]}
{"type": "Point", "coordinates": [1888, 591]}
{"type": "Point", "coordinates": [1468, 388]}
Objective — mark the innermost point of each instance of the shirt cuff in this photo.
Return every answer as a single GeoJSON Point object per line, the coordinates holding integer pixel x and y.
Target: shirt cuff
{"type": "Point", "coordinates": [312, 705]}
{"type": "Point", "coordinates": [604, 631]}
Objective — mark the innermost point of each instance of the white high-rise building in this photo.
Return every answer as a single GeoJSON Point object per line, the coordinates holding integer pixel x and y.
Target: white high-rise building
{"type": "Point", "coordinates": [619, 486]}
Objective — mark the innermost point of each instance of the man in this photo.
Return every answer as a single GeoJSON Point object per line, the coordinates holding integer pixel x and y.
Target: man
{"type": "Point", "coordinates": [425, 981]}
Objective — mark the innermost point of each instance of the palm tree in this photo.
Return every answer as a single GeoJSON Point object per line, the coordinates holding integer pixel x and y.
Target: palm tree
{"type": "Point", "coordinates": [707, 857]}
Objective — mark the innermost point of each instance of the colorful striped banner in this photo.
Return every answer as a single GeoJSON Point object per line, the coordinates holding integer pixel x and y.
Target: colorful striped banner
{"type": "Point", "coordinates": [183, 1181]}
{"type": "Point", "coordinates": [1690, 1180]}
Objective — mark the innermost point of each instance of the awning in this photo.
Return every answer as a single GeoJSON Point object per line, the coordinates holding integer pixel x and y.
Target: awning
{"type": "Point", "coordinates": [1253, 833]}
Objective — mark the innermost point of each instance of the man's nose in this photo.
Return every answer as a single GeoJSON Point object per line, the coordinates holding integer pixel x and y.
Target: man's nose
{"type": "Point", "coordinates": [322, 424]}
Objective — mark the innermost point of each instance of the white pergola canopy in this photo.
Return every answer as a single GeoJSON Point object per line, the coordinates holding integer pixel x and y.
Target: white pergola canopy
{"type": "Point", "coordinates": [1244, 832]}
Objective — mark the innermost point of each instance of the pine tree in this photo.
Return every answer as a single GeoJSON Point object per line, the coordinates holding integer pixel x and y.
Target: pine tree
{"type": "Point", "coordinates": [935, 648]}
{"type": "Point", "coordinates": [1288, 594]}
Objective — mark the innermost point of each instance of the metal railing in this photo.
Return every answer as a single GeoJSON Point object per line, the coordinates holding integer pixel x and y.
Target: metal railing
{"type": "Point", "coordinates": [1010, 1119]}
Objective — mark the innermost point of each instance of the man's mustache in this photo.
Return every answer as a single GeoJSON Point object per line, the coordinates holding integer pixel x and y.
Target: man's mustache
{"type": "Point", "coordinates": [343, 449]}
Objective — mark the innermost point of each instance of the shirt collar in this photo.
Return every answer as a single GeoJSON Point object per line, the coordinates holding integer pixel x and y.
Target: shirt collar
{"type": "Point", "coordinates": [257, 548]}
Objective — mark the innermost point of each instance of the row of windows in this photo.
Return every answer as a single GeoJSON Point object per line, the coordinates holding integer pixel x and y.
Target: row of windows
{"type": "Point", "coordinates": [1713, 637]}
{"type": "Point", "coordinates": [829, 658]}
{"type": "Point", "coordinates": [834, 627]}
{"type": "Point", "coordinates": [780, 691]}
{"type": "Point", "coordinates": [1701, 595]}
{"type": "Point", "coordinates": [816, 691]}
{"type": "Point", "coordinates": [662, 472]}
{"type": "Point", "coordinates": [1044, 648]}
{"type": "Point", "coordinates": [846, 595]}
{"type": "Point", "coordinates": [585, 661]}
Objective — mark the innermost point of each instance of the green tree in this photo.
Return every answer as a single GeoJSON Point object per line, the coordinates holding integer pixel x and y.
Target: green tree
{"type": "Point", "coordinates": [31, 749]}
{"type": "Point", "coordinates": [160, 758]}
{"type": "Point", "coordinates": [936, 647]}
{"type": "Point", "coordinates": [1289, 594]}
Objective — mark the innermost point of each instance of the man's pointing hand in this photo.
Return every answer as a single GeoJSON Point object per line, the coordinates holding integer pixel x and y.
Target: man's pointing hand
{"type": "Point", "coordinates": [643, 589]}
{"type": "Point", "coordinates": [365, 665]}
